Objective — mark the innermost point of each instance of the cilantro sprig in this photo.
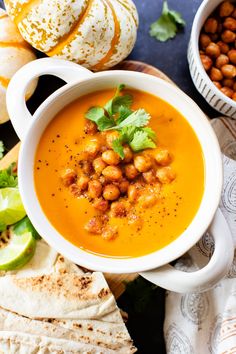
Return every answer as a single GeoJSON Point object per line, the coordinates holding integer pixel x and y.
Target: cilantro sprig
{"type": "Point", "coordinates": [131, 125]}
{"type": "Point", "coordinates": [167, 25]}
{"type": "Point", "coordinates": [8, 177]}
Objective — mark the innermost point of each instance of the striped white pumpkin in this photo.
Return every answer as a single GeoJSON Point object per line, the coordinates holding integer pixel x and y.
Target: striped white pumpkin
{"type": "Point", "coordinates": [97, 34]}
{"type": "Point", "coordinates": [14, 53]}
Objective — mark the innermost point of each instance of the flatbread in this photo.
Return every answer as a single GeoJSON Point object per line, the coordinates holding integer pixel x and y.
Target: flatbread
{"type": "Point", "coordinates": [52, 306]}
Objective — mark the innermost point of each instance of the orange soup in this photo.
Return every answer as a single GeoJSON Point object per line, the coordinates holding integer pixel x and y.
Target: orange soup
{"type": "Point", "coordinates": [71, 205]}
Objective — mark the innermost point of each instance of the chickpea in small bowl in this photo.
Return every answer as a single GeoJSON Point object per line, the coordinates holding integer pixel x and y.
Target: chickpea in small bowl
{"type": "Point", "coordinates": [212, 54]}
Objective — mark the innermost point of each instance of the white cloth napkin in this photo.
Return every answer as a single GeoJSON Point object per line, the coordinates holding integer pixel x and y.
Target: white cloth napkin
{"type": "Point", "coordinates": [205, 323]}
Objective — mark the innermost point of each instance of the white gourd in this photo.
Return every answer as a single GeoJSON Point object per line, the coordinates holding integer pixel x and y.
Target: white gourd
{"type": "Point", "coordinates": [95, 33]}
{"type": "Point", "coordinates": [14, 53]}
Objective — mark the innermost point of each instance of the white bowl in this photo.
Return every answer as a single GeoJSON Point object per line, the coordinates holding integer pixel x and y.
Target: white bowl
{"type": "Point", "coordinates": [80, 82]}
{"type": "Point", "coordinates": [201, 80]}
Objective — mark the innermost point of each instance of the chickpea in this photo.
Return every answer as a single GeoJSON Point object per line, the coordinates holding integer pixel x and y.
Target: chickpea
{"type": "Point", "coordinates": [228, 83]}
{"type": "Point", "coordinates": [162, 157]}
{"type": "Point", "coordinates": [213, 50]}
{"type": "Point", "coordinates": [226, 8]}
{"type": "Point", "coordinates": [142, 163]}
{"type": "Point", "coordinates": [82, 182]}
{"type": "Point", "coordinates": [99, 165]}
{"type": "Point", "coordinates": [111, 192]}
{"type": "Point", "coordinates": [204, 40]}
{"type": "Point", "coordinates": [101, 204]}
{"type": "Point", "coordinates": [234, 96]}
{"type": "Point", "coordinates": [94, 226]}
{"type": "Point", "coordinates": [230, 23]}
{"type": "Point", "coordinates": [68, 177]}
{"type": "Point", "coordinates": [229, 71]}
{"type": "Point", "coordinates": [75, 190]}
{"type": "Point", "coordinates": [110, 232]}
{"type": "Point", "coordinates": [123, 186]}
{"type": "Point", "coordinates": [94, 189]}
{"type": "Point", "coordinates": [147, 200]}
{"type": "Point", "coordinates": [87, 167]}
{"type": "Point", "coordinates": [130, 171]}
{"type": "Point", "coordinates": [217, 84]}
{"type": "Point", "coordinates": [135, 221]}
{"type": "Point", "coordinates": [228, 36]}
{"type": "Point", "coordinates": [206, 61]}
{"type": "Point", "coordinates": [149, 176]}
{"type": "Point", "coordinates": [227, 91]}
{"type": "Point", "coordinates": [211, 25]}
{"type": "Point", "coordinates": [221, 60]}
{"type": "Point", "coordinates": [110, 136]}
{"type": "Point", "coordinates": [128, 154]}
{"type": "Point", "coordinates": [90, 127]}
{"type": "Point", "coordinates": [165, 174]}
{"type": "Point", "coordinates": [216, 74]}
{"type": "Point", "coordinates": [92, 148]}
{"type": "Point", "coordinates": [232, 56]}
{"type": "Point", "coordinates": [132, 193]}
{"type": "Point", "coordinates": [111, 157]}
{"type": "Point", "coordinates": [214, 37]}
{"type": "Point", "coordinates": [118, 209]}
{"type": "Point", "coordinates": [112, 173]}
{"type": "Point", "coordinates": [224, 48]}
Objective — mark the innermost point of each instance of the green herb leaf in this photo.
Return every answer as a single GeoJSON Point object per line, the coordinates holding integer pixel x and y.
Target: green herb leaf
{"type": "Point", "coordinates": [3, 227]}
{"type": "Point", "coordinates": [113, 105]}
{"type": "Point", "coordinates": [2, 149]}
{"type": "Point", "coordinates": [25, 225]}
{"type": "Point", "coordinates": [118, 148]}
{"type": "Point", "coordinates": [141, 141]}
{"type": "Point", "coordinates": [124, 112]}
{"type": "Point", "coordinates": [138, 118]}
{"type": "Point", "coordinates": [167, 25]}
{"type": "Point", "coordinates": [151, 134]}
{"type": "Point", "coordinates": [8, 178]}
{"type": "Point", "coordinates": [97, 115]}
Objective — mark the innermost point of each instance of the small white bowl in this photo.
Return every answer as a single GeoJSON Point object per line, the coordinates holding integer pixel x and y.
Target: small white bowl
{"type": "Point", "coordinates": [201, 80]}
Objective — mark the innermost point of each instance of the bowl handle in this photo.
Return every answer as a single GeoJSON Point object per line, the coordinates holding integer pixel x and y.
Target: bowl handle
{"type": "Point", "coordinates": [15, 97]}
{"type": "Point", "coordinates": [183, 282]}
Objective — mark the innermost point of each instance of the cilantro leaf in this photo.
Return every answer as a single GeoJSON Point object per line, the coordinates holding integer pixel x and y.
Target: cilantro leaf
{"type": "Point", "coordinates": [118, 148]}
{"type": "Point", "coordinates": [167, 25]}
{"type": "Point", "coordinates": [2, 149]}
{"type": "Point", "coordinates": [113, 105]}
{"type": "Point", "coordinates": [8, 178]}
{"type": "Point", "coordinates": [124, 112]}
{"type": "Point", "coordinates": [138, 118]}
{"type": "Point", "coordinates": [141, 141]}
{"type": "Point", "coordinates": [151, 134]}
{"type": "Point", "coordinates": [97, 115]}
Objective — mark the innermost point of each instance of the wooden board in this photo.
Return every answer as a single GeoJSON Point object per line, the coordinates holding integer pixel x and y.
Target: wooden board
{"type": "Point", "coordinates": [115, 281]}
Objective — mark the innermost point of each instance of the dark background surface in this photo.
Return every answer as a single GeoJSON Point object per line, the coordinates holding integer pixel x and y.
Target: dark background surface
{"type": "Point", "coordinates": [146, 313]}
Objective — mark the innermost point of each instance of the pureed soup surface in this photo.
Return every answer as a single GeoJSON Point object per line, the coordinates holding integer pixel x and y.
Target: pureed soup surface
{"type": "Point", "coordinates": [60, 148]}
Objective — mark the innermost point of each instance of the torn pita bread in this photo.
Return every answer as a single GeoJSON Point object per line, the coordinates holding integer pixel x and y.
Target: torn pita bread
{"type": "Point", "coordinates": [51, 306]}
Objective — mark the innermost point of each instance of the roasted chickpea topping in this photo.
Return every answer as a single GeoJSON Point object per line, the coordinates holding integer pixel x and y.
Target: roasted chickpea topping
{"type": "Point", "coordinates": [123, 186]}
{"type": "Point", "coordinates": [90, 127]}
{"type": "Point", "coordinates": [68, 177]}
{"type": "Point", "coordinates": [142, 163]}
{"type": "Point", "coordinates": [112, 173]}
{"type": "Point", "coordinates": [119, 209]}
{"type": "Point", "coordinates": [110, 232]}
{"type": "Point", "coordinates": [111, 157]}
{"type": "Point", "coordinates": [162, 157]}
{"type": "Point", "coordinates": [111, 192]}
{"type": "Point", "coordinates": [165, 175]}
{"type": "Point", "coordinates": [130, 171]}
{"type": "Point", "coordinates": [110, 136]}
{"type": "Point", "coordinates": [92, 148]}
{"type": "Point", "coordinates": [82, 182]}
{"type": "Point", "coordinates": [147, 200]}
{"type": "Point", "coordinates": [217, 48]}
{"type": "Point", "coordinates": [99, 165]}
{"type": "Point", "coordinates": [94, 189]}
{"type": "Point", "coordinates": [101, 204]}
{"type": "Point", "coordinates": [132, 193]}
{"type": "Point", "coordinates": [128, 154]}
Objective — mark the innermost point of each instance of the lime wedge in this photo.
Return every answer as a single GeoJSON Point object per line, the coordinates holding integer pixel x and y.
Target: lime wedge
{"type": "Point", "coordinates": [11, 207]}
{"type": "Point", "coordinates": [15, 250]}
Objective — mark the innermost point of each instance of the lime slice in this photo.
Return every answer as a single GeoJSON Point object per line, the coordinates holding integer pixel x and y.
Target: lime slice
{"type": "Point", "coordinates": [11, 207]}
{"type": "Point", "coordinates": [15, 250]}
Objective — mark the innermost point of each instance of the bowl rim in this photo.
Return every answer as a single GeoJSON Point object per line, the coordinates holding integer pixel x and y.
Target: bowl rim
{"type": "Point", "coordinates": [113, 264]}
{"type": "Point", "coordinates": [201, 16]}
